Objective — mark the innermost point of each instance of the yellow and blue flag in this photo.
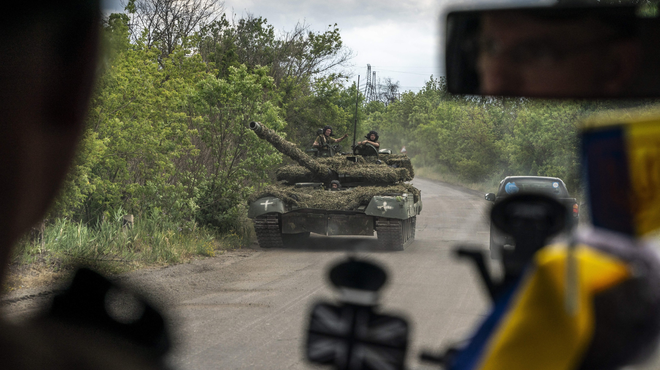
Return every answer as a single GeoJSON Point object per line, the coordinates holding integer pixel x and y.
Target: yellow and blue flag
{"type": "Point", "coordinates": [531, 326]}
{"type": "Point", "coordinates": [621, 162]}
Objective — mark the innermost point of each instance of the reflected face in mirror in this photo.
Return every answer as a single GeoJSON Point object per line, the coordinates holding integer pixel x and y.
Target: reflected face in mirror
{"type": "Point", "coordinates": [520, 53]}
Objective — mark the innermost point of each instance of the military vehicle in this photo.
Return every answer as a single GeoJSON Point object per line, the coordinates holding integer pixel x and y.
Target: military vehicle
{"type": "Point", "coordinates": [371, 195]}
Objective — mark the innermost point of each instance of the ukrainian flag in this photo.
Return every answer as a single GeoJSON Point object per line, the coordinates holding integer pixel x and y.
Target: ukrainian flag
{"type": "Point", "coordinates": [621, 161]}
{"type": "Point", "coordinates": [532, 326]}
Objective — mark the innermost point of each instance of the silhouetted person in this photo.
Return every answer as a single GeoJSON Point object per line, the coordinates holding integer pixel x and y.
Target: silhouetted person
{"type": "Point", "coordinates": [47, 68]}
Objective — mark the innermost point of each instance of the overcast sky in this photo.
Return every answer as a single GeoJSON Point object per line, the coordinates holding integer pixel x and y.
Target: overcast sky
{"type": "Point", "coordinates": [399, 38]}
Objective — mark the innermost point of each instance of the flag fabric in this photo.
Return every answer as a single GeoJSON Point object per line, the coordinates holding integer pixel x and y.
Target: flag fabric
{"type": "Point", "coordinates": [530, 326]}
{"type": "Point", "coordinates": [621, 162]}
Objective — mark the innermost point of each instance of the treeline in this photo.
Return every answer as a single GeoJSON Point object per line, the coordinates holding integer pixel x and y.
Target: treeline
{"type": "Point", "coordinates": [179, 82]}
{"type": "Point", "coordinates": [484, 139]}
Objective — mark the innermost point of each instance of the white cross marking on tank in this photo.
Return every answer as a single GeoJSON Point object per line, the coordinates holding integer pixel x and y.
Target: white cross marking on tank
{"type": "Point", "coordinates": [385, 207]}
{"type": "Point", "coordinates": [266, 204]}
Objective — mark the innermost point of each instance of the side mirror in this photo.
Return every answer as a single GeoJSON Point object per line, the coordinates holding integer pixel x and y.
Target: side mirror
{"type": "Point", "coordinates": [490, 197]}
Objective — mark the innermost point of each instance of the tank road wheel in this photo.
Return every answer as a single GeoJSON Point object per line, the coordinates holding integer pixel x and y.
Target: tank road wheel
{"type": "Point", "coordinates": [410, 230]}
{"type": "Point", "coordinates": [394, 234]}
{"type": "Point", "coordinates": [413, 226]}
{"type": "Point", "coordinates": [269, 234]}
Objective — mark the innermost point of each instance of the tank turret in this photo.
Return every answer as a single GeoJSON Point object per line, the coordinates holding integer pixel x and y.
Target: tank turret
{"type": "Point", "coordinates": [351, 169]}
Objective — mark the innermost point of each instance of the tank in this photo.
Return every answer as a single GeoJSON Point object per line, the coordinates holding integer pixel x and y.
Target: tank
{"type": "Point", "coordinates": [358, 193]}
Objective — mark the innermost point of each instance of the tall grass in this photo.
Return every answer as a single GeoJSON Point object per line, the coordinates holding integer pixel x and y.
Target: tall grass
{"type": "Point", "coordinates": [153, 240]}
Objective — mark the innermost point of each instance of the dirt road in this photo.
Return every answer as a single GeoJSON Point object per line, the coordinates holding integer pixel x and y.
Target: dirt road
{"type": "Point", "coordinates": [247, 309]}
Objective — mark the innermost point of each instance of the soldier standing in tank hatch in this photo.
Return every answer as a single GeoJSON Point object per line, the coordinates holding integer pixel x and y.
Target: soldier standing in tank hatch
{"type": "Point", "coordinates": [372, 138]}
{"type": "Point", "coordinates": [325, 138]}
{"type": "Point", "coordinates": [335, 185]}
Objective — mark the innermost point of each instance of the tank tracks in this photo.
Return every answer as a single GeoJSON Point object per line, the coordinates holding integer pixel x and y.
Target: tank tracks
{"type": "Point", "coordinates": [395, 234]}
{"type": "Point", "coordinates": [268, 232]}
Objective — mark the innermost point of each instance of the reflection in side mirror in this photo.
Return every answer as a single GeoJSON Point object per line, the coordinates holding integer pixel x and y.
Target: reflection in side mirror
{"type": "Point", "coordinates": [556, 52]}
{"type": "Point", "coordinates": [490, 197]}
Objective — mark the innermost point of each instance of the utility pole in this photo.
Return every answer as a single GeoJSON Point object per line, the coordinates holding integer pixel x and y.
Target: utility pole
{"type": "Point", "coordinates": [367, 86]}
{"type": "Point", "coordinates": [371, 86]}
{"type": "Point", "coordinates": [374, 88]}
{"type": "Point", "coordinates": [357, 100]}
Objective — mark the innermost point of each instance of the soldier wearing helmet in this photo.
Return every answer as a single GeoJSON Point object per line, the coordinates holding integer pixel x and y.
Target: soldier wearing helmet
{"type": "Point", "coordinates": [335, 185]}
{"type": "Point", "coordinates": [372, 138]}
{"type": "Point", "coordinates": [325, 139]}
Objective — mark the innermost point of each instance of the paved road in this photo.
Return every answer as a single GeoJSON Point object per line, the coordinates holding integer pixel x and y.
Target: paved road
{"type": "Point", "coordinates": [247, 309]}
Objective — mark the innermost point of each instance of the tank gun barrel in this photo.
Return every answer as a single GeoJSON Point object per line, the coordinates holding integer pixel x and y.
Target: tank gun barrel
{"type": "Point", "coordinates": [256, 127]}
{"type": "Point", "coordinates": [324, 173]}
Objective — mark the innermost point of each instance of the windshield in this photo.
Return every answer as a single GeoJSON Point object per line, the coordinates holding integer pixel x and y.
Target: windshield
{"type": "Point", "coordinates": [204, 180]}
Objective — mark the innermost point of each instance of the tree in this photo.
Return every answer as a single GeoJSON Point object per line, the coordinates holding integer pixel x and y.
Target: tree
{"type": "Point", "coordinates": [389, 91]}
{"type": "Point", "coordinates": [168, 23]}
{"type": "Point", "coordinates": [481, 138]}
{"type": "Point", "coordinates": [292, 57]}
{"type": "Point", "coordinates": [138, 127]}
{"type": "Point", "coordinates": [232, 160]}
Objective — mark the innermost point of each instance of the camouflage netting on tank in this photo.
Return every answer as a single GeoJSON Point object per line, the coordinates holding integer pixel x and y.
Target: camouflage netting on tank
{"type": "Point", "coordinates": [375, 174]}
{"type": "Point", "coordinates": [332, 200]}
{"type": "Point", "coordinates": [400, 161]}
{"type": "Point", "coordinates": [340, 162]}
{"type": "Point", "coordinates": [359, 171]}
{"type": "Point", "coordinates": [293, 174]}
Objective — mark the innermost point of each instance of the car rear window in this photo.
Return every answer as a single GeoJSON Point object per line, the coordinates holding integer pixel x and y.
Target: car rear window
{"type": "Point", "coordinates": [548, 186]}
